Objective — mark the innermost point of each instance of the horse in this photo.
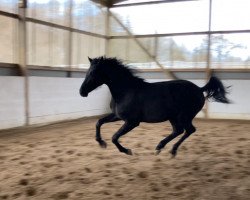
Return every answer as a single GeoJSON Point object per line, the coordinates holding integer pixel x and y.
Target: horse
{"type": "Point", "coordinates": [135, 100]}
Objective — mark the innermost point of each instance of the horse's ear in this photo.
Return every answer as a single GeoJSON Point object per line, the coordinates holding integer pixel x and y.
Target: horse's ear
{"type": "Point", "coordinates": [90, 59]}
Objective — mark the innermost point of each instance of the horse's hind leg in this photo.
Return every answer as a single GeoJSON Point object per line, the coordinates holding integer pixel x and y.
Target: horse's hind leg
{"type": "Point", "coordinates": [177, 130]}
{"type": "Point", "coordinates": [109, 118]}
{"type": "Point", "coordinates": [128, 126]}
{"type": "Point", "coordinates": [189, 130]}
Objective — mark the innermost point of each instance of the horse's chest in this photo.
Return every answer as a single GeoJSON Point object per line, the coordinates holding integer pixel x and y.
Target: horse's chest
{"type": "Point", "coordinates": [121, 112]}
{"type": "Point", "coordinates": [125, 111]}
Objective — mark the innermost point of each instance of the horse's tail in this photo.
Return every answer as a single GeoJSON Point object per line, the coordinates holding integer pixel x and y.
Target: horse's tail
{"type": "Point", "coordinates": [216, 90]}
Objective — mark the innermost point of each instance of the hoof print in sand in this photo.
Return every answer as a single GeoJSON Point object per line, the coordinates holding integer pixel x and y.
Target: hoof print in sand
{"type": "Point", "coordinates": [30, 191]}
{"type": "Point", "coordinates": [61, 195]}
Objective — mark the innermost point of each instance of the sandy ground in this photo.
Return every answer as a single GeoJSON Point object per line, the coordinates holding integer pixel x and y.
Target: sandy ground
{"type": "Point", "coordinates": [63, 161]}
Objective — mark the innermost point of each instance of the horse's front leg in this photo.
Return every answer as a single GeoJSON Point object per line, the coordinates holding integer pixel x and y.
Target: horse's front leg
{"type": "Point", "coordinates": [109, 118]}
{"type": "Point", "coordinates": [128, 126]}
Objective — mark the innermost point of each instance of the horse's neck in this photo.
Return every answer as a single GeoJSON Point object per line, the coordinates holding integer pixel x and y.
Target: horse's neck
{"type": "Point", "coordinates": [117, 93]}
{"type": "Point", "coordinates": [119, 87]}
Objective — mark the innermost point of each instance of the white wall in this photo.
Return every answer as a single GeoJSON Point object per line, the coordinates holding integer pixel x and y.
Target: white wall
{"type": "Point", "coordinates": [12, 109]}
{"type": "Point", "coordinates": [240, 106]}
{"type": "Point", "coordinates": [50, 99]}
{"type": "Point", "coordinates": [54, 99]}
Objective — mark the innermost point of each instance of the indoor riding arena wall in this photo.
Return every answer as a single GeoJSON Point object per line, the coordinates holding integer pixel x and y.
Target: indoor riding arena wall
{"type": "Point", "coordinates": [54, 99]}
{"type": "Point", "coordinates": [50, 99]}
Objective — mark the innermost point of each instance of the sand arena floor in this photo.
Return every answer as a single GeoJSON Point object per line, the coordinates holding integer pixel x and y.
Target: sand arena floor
{"type": "Point", "coordinates": [63, 161]}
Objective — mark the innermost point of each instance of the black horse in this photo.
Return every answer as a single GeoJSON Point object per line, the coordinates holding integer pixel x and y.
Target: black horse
{"type": "Point", "coordinates": [135, 101]}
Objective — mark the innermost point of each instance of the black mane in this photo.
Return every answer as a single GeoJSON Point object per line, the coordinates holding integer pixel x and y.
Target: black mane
{"type": "Point", "coordinates": [116, 67]}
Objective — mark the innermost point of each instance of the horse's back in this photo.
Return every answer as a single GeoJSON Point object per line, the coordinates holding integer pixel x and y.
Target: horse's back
{"type": "Point", "coordinates": [181, 92]}
{"type": "Point", "coordinates": [169, 99]}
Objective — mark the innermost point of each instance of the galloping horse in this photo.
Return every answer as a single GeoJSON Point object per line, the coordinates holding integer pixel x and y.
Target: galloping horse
{"type": "Point", "coordinates": [134, 100]}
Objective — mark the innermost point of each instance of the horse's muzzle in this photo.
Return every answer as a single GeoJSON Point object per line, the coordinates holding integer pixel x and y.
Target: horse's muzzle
{"type": "Point", "coordinates": [83, 93]}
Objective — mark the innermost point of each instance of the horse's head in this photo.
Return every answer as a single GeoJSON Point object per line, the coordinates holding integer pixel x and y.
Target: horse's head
{"type": "Point", "coordinates": [94, 77]}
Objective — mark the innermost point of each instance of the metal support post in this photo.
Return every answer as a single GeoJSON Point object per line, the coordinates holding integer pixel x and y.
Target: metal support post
{"type": "Point", "coordinates": [22, 38]}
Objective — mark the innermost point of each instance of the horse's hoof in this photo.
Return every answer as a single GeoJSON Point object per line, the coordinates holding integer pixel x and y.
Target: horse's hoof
{"type": "Point", "coordinates": [103, 144]}
{"type": "Point", "coordinates": [129, 152]}
{"type": "Point", "coordinates": [173, 153]}
{"type": "Point", "coordinates": [157, 152]}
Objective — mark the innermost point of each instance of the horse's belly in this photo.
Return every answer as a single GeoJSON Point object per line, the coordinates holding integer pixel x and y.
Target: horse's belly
{"type": "Point", "coordinates": [155, 120]}
{"type": "Point", "coordinates": [154, 116]}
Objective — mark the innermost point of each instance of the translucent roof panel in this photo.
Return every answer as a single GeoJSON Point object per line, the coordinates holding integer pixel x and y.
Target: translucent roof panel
{"type": "Point", "coordinates": [178, 17]}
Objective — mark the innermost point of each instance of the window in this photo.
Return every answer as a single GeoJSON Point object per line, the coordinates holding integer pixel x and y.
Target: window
{"type": "Point", "coordinates": [230, 50]}
{"type": "Point", "coordinates": [8, 39]}
{"type": "Point", "coordinates": [174, 17]}
{"type": "Point", "coordinates": [84, 46]}
{"type": "Point", "coordinates": [9, 6]}
{"type": "Point", "coordinates": [230, 14]}
{"type": "Point", "coordinates": [89, 17]}
{"type": "Point", "coordinates": [57, 12]}
{"type": "Point", "coordinates": [183, 51]}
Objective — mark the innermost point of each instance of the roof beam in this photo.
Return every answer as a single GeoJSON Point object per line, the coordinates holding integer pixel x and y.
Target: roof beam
{"type": "Point", "coordinates": [148, 3]}
{"type": "Point", "coordinates": [107, 3]}
{"type": "Point", "coordinates": [181, 34]}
